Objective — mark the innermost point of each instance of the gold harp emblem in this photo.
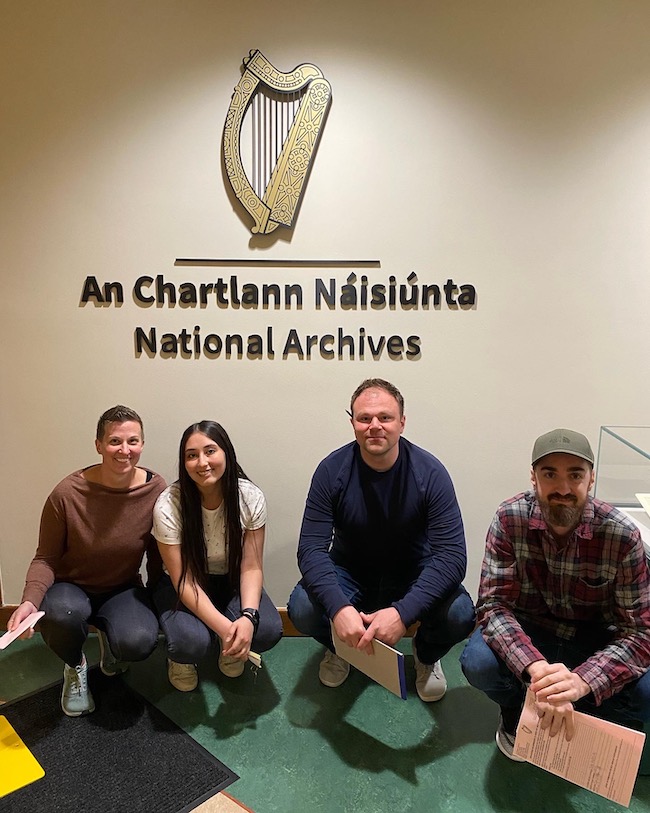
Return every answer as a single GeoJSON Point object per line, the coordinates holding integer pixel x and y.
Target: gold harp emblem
{"type": "Point", "coordinates": [288, 112]}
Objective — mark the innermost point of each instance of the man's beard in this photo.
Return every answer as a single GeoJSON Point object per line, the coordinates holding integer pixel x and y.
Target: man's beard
{"type": "Point", "coordinates": [561, 514]}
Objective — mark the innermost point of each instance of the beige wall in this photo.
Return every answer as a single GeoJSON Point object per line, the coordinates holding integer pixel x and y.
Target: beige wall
{"type": "Point", "coordinates": [503, 145]}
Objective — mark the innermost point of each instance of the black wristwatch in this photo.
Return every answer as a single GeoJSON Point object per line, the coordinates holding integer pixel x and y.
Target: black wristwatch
{"type": "Point", "coordinates": [252, 615]}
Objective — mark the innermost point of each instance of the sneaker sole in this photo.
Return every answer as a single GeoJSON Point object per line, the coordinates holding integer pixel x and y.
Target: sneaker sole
{"type": "Point", "coordinates": [430, 698]}
{"type": "Point", "coordinates": [333, 684]}
{"type": "Point", "coordinates": [231, 675]}
{"type": "Point", "coordinates": [184, 688]}
{"type": "Point", "coordinates": [78, 713]}
{"type": "Point", "coordinates": [511, 756]}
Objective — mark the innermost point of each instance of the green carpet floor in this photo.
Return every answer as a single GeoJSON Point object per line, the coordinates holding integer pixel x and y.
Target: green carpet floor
{"type": "Point", "coordinates": [302, 748]}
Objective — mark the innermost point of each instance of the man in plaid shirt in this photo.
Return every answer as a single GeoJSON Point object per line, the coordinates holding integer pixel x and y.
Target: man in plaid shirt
{"type": "Point", "coordinates": [564, 601]}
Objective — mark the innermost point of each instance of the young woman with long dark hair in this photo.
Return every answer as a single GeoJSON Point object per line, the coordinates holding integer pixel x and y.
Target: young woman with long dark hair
{"type": "Point", "coordinates": [210, 527]}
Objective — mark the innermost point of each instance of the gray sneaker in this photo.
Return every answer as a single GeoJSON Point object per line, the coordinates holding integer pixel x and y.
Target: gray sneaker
{"type": "Point", "coordinates": [506, 742]}
{"type": "Point", "coordinates": [430, 681]}
{"type": "Point", "coordinates": [108, 663]}
{"type": "Point", "coordinates": [333, 671]}
{"type": "Point", "coordinates": [76, 698]}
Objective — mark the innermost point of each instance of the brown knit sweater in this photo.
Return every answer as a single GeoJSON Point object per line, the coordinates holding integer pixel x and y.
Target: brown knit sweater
{"type": "Point", "coordinates": [94, 536]}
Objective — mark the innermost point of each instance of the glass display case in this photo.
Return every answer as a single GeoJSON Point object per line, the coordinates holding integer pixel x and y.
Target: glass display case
{"type": "Point", "coordinates": [623, 471]}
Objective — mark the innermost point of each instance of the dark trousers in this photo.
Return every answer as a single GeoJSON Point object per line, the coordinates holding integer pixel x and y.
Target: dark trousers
{"type": "Point", "coordinates": [443, 625]}
{"type": "Point", "coordinates": [125, 615]}
{"type": "Point", "coordinates": [188, 638]}
{"type": "Point", "coordinates": [487, 672]}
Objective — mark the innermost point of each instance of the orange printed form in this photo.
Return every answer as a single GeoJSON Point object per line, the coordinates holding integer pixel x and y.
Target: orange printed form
{"type": "Point", "coordinates": [603, 757]}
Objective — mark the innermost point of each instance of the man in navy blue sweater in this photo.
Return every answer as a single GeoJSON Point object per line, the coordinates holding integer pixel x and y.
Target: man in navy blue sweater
{"type": "Point", "coordinates": [382, 546]}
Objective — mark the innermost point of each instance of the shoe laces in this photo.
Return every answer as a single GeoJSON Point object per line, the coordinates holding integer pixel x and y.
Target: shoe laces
{"type": "Point", "coordinates": [77, 679]}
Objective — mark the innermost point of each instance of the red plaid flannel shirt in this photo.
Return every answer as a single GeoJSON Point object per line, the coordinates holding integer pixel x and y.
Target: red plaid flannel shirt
{"type": "Point", "coordinates": [599, 575]}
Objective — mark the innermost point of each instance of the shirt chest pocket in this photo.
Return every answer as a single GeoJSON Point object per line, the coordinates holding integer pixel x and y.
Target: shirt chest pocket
{"type": "Point", "coordinates": [594, 585]}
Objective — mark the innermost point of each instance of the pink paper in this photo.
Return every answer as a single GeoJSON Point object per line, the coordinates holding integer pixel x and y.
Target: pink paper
{"type": "Point", "coordinates": [24, 625]}
{"type": "Point", "coordinates": [602, 756]}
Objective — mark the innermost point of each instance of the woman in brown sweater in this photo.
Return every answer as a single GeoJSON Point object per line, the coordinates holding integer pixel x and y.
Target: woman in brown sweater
{"type": "Point", "coordinates": [95, 530]}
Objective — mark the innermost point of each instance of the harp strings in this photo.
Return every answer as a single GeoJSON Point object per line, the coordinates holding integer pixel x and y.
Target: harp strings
{"type": "Point", "coordinates": [272, 117]}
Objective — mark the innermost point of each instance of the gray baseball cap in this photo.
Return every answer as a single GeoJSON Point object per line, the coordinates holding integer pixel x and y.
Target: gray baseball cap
{"type": "Point", "coordinates": [562, 440]}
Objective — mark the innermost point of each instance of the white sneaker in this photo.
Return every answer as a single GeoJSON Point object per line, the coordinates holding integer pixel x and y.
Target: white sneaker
{"type": "Point", "coordinates": [430, 681]}
{"type": "Point", "coordinates": [182, 676]}
{"type": "Point", "coordinates": [333, 670]}
{"type": "Point", "coordinates": [231, 667]}
{"type": "Point", "coordinates": [76, 698]}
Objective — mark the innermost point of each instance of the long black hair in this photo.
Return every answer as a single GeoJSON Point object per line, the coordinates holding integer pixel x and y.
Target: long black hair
{"type": "Point", "coordinates": [194, 556]}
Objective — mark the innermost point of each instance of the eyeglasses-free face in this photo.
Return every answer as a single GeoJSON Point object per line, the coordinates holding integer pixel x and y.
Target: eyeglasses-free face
{"type": "Point", "coordinates": [377, 425]}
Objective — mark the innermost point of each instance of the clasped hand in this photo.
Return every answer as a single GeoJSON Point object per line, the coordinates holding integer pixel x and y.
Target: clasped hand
{"type": "Point", "coordinates": [360, 629]}
{"type": "Point", "coordinates": [556, 689]}
{"type": "Point", "coordinates": [237, 641]}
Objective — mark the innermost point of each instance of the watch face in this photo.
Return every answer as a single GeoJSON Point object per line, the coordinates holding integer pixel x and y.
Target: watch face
{"type": "Point", "coordinates": [254, 615]}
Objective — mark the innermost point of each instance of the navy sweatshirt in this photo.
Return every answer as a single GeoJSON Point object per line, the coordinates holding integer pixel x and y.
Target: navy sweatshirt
{"type": "Point", "coordinates": [400, 528]}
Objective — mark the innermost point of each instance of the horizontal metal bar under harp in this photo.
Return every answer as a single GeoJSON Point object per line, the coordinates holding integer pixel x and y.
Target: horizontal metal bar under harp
{"type": "Point", "coordinates": [279, 263]}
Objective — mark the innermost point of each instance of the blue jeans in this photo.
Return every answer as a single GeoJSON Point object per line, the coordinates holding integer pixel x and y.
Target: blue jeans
{"type": "Point", "coordinates": [486, 671]}
{"type": "Point", "coordinates": [443, 625]}
{"type": "Point", "coordinates": [188, 638]}
{"type": "Point", "coordinates": [125, 615]}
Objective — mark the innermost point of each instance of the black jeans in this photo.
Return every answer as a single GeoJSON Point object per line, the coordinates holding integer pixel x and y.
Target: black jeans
{"type": "Point", "coordinates": [125, 615]}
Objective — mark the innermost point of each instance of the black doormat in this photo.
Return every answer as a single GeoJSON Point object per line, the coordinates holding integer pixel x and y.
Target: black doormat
{"type": "Point", "coordinates": [125, 757]}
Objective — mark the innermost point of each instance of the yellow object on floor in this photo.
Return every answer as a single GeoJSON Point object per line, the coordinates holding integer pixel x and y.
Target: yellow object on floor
{"type": "Point", "coordinates": [18, 767]}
